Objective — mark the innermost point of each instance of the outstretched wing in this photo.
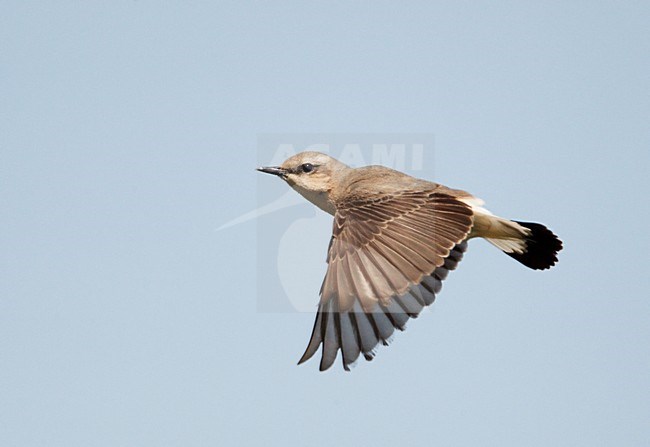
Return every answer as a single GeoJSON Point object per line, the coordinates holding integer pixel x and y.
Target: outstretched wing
{"type": "Point", "coordinates": [386, 261]}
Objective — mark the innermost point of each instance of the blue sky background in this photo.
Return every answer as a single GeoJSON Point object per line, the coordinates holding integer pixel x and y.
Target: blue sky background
{"type": "Point", "coordinates": [128, 134]}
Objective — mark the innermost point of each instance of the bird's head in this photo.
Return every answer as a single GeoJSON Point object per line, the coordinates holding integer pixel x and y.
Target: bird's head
{"type": "Point", "coordinates": [312, 174]}
{"type": "Point", "coordinates": [311, 171]}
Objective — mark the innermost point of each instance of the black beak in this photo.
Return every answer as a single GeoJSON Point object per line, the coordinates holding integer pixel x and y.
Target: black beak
{"type": "Point", "coordinates": [275, 170]}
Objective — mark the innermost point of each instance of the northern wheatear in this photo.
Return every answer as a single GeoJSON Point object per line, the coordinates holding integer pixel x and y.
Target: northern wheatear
{"type": "Point", "coordinates": [395, 239]}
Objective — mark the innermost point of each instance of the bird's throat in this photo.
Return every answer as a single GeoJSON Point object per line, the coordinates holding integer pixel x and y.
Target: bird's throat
{"type": "Point", "coordinates": [319, 198]}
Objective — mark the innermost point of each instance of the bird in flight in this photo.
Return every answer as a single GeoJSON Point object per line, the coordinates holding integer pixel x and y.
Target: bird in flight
{"type": "Point", "coordinates": [394, 240]}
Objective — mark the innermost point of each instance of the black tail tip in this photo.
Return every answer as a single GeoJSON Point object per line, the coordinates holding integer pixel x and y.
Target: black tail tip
{"type": "Point", "coordinates": [542, 247]}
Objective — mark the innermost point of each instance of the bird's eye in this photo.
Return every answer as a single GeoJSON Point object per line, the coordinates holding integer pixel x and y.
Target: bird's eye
{"type": "Point", "coordinates": [307, 167]}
